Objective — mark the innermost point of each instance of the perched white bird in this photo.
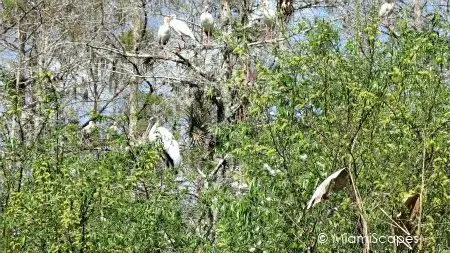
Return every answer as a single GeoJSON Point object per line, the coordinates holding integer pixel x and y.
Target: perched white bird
{"type": "Point", "coordinates": [206, 23]}
{"type": "Point", "coordinates": [181, 28]}
{"type": "Point", "coordinates": [88, 130]}
{"type": "Point", "coordinates": [387, 8]}
{"type": "Point", "coordinates": [164, 32]}
{"type": "Point", "coordinates": [170, 145]}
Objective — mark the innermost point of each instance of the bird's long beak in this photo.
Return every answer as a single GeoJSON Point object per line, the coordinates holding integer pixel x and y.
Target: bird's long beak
{"type": "Point", "coordinates": [149, 126]}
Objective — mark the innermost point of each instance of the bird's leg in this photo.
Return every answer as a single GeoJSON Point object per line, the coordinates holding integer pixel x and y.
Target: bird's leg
{"type": "Point", "coordinates": [203, 34]}
{"type": "Point", "coordinates": [266, 32]}
{"type": "Point", "coordinates": [184, 42]}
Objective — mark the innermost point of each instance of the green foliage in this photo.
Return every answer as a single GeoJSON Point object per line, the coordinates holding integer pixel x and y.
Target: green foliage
{"type": "Point", "coordinates": [328, 105]}
{"type": "Point", "coordinates": [375, 106]}
{"type": "Point", "coordinates": [105, 202]}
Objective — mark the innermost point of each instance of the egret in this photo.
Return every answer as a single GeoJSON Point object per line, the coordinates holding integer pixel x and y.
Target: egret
{"type": "Point", "coordinates": [181, 28]}
{"type": "Point", "coordinates": [88, 130]}
{"type": "Point", "coordinates": [164, 32]}
{"type": "Point", "coordinates": [387, 9]}
{"type": "Point", "coordinates": [170, 145]}
{"type": "Point", "coordinates": [206, 23]}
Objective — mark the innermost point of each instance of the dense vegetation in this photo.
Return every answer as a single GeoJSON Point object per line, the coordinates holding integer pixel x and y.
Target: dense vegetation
{"type": "Point", "coordinates": [256, 140]}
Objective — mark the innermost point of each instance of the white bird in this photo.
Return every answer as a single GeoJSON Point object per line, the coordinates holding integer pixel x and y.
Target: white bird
{"type": "Point", "coordinates": [170, 145]}
{"type": "Point", "coordinates": [164, 32]}
{"type": "Point", "coordinates": [387, 8]}
{"type": "Point", "coordinates": [89, 128]}
{"type": "Point", "coordinates": [181, 28]}
{"type": "Point", "coordinates": [271, 171]}
{"type": "Point", "coordinates": [206, 23]}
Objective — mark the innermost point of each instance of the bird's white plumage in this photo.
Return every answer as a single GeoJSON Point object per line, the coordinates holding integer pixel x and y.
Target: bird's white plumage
{"type": "Point", "coordinates": [152, 137]}
{"type": "Point", "coordinates": [206, 21]}
{"type": "Point", "coordinates": [89, 128]}
{"type": "Point", "coordinates": [170, 145]}
{"type": "Point", "coordinates": [164, 32]}
{"type": "Point", "coordinates": [386, 9]}
{"type": "Point", "coordinates": [181, 27]}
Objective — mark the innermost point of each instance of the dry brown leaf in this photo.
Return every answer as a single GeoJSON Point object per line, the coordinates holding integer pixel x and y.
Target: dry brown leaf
{"type": "Point", "coordinates": [334, 182]}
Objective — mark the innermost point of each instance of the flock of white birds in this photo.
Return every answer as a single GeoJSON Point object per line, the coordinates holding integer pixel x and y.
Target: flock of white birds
{"type": "Point", "coordinates": [182, 28]}
{"type": "Point", "coordinates": [265, 16]}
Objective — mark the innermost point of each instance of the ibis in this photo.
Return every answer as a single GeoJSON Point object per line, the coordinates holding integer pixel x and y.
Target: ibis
{"type": "Point", "coordinates": [164, 32]}
{"type": "Point", "coordinates": [207, 23]}
{"type": "Point", "coordinates": [181, 28]}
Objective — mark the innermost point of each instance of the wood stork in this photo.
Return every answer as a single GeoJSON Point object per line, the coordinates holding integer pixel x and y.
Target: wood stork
{"type": "Point", "coordinates": [164, 32]}
{"type": "Point", "coordinates": [170, 145]}
{"type": "Point", "coordinates": [181, 28]}
{"type": "Point", "coordinates": [387, 8]}
{"type": "Point", "coordinates": [206, 23]}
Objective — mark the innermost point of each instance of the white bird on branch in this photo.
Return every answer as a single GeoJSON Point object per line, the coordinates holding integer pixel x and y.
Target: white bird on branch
{"type": "Point", "coordinates": [164, 32]}
{"type": "Point", "coordinates": [88, 130]}
{"type": "Point", "coordinates": [170, 145]}
{"type": "Point", "coordinates": [181, 28]}
{"type": "Point", "coordinates": [207, 22]}
{"type": "Point", "coordinates": [387, 8]}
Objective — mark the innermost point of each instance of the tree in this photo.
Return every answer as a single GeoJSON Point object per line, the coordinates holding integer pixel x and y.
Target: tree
{"type": "Point", "coordinates": [261, 121]}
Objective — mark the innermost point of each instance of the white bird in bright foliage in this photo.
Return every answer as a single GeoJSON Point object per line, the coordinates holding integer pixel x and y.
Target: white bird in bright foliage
{"type": "Point", "coordinates": [87, 130]}
{"type": "Point", "coordinates": [170, 145]}
{"type": "Point", "coordinates": [164, 32]}
{"type": "Point", "coordinates": [181, 27]}
{"type": "Point", "coordinates": [387, 8]}
{"type": "Point", "coordinates": [206, 22]}
{"type": "Point", "coordinates": [271, 171]}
